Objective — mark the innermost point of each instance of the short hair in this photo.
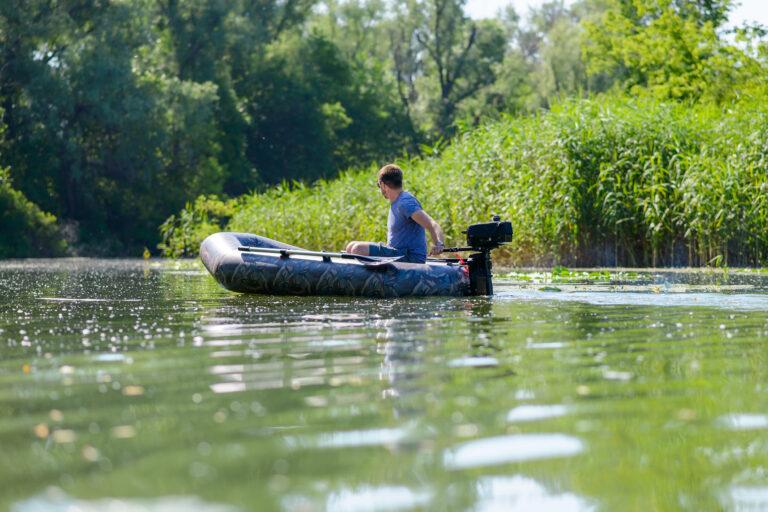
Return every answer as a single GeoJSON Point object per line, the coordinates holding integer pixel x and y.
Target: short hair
{"type": "Point", "coordinates": [392, 175]}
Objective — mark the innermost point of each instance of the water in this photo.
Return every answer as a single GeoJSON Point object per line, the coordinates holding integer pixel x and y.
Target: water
{"type": "Point", "coordinates": [127, 385]}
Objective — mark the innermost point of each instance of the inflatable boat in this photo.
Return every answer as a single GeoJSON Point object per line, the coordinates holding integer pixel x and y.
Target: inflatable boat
{"type": "Point", "coordinates": [248, 263]}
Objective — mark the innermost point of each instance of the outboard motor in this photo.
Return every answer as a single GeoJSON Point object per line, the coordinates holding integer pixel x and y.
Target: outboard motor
{"type": "Point", "coordinates": [483, 238]}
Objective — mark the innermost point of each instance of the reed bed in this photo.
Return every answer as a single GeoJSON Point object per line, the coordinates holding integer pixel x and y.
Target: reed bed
{"type": "Point", "coordinates": [609, 181]}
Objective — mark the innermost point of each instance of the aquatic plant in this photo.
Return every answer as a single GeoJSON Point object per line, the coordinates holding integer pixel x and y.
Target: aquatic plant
{"type": "Point", "coordinates": [563, 275]}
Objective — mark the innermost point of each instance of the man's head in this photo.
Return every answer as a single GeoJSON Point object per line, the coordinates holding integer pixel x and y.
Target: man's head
{"type": "Point", "coordinates": [390, 181]}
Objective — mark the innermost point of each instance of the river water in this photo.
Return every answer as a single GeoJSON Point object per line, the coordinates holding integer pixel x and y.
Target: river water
{"type": "Point", "coordinates": [132, 385]}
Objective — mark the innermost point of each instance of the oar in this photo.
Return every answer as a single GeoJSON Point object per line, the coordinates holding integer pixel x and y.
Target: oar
{"type": "Point", "coordinates": [325, 255]}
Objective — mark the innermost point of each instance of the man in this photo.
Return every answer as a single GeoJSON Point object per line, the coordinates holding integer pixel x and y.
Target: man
{"type": "Point", "coordinates": [406, 224]}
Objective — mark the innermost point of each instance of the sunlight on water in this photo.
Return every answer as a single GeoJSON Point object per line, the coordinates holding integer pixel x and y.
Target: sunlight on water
{"type": "Point", "coordinates": [521, 494]}
{"type": "Point", "coordinates": [523, 413]}
{"type": "Point", "coordinates": [744, 421]}
{"type": "Point", "coordinates": [478, 362]}
{"type": "Point", "coordinates": [745, 499]}
{"type": "Point", "coordinates": [650, 297]}
{"type": "Point", "coordinates": [372, 499]}
{"type": "Point", "coordinates": [493, 451]}
{"type": "Point", "coordinates": [350, 439]}
{"type": "Point", "coordinates": [54, 500]}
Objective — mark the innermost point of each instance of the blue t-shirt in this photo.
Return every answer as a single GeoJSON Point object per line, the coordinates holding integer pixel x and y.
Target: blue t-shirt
{"type": "Point", "coordinates": [403, 233]}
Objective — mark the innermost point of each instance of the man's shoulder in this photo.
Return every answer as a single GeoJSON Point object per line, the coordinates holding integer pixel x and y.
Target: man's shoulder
{"type": "Point", "coordinates": [406, 196]}
{"type": "Point", "coordinates": [407, 204]}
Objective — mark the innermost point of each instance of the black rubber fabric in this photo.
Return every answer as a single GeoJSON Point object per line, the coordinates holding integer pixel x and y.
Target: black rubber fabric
{"type": "Point", "coordinates": [251, 272]}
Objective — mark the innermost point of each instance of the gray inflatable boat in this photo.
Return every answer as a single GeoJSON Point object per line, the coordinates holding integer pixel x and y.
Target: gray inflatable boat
{"type": "Point", "coordinates": [248, 263]}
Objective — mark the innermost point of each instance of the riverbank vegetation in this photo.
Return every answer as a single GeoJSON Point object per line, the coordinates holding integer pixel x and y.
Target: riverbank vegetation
{"type": "Point", "coordinates": [26, 229]}
{"type": "Point", "coordinates": [608, 181]}
{"type": "Point", "coordinates": [608, 131]}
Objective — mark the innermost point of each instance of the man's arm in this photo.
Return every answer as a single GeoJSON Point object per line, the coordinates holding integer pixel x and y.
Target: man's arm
{"type": "Point", "coordinates": [435, 231]}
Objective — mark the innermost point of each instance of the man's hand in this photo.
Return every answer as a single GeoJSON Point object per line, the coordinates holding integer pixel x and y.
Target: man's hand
{"type": "Point", "coordinates": [437, 248]}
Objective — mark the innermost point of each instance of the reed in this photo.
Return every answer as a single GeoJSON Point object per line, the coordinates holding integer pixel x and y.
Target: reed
{"type": "Point", "coordinates": [606, 181]}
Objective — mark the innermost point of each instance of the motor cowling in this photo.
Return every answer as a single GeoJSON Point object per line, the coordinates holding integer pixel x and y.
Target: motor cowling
{"type": "Point", "coordinates": [489, 235]}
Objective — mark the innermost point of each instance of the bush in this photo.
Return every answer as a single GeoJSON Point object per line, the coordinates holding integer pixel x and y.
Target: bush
{"type": "Point", "coordinates": [27, 230]}
{"type": "Point", "coordinates": [183, 234]}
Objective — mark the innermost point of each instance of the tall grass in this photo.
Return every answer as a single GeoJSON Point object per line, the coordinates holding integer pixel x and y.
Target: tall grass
{"type": "Point", "coordinates": [607, 181]}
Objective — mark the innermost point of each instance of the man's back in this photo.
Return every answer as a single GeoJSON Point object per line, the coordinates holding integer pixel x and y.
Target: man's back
{"type": "Point", "coordinates": [403, 233]}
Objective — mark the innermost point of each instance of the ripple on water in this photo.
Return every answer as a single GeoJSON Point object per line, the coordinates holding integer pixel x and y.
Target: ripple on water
{"type": "Point", "coordinates": [735, 301]}
{"type": "Point", "coordinates": [473, 362]}
{"type": "Point", "coordinates": [546, 345]}
{"type": "Point", "coordinates": [493, 451]}
{"type": "Point", "coordinates": [364, 499]}
{"type": "Point", "coordinates": [55, 500]}
{"type": "Point", "coordinates": [349, 438]}
{"type": "Point", "coordinates": [86, 299]}
{"type": "Point", "coordinates": [745, 498]}
{"type": "Point", "coordinates": [371, 437]}
{"type": "Point", "coordinates": [336, 344]}
{"type": "Point", "coordinates": [535, 412]}
{"type": "Point", "coordinates": [520, 493]}
{"type": "Point", "coordinates": [524, 394]}
{"type": "Point", "coordinates": [743, 421]}
{"type": "Point", "coordinates": [111, 357]}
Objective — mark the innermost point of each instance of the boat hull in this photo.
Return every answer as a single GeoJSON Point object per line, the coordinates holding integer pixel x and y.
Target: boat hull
{"type": "Point", "coordinates": [273, 274]}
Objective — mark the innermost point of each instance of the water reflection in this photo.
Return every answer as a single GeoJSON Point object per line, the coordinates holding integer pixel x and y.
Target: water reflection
{"type": "Point", "coordinates": [401, 370]}
{"type": "Point", "coordinates": [350, 439]}
{"type": "Point", "coordinates": [743, 421]}
{"type": "Point", "coordinates": [361, 499]}
{"type": "Point", "coordinates": [662, 297]}
{"type": "Point", "coordinates": [533, 412]}
{"type": "Point", "coordinates": [55, 500]}
{"type": "Point", "coordinates": [522, 494]}
{"type": "Point", "coordinates": [365, 499]}
{"type": "Point", "coordinates": [745, 498]}
{"type": "Point", "coordinates": [493, 451]}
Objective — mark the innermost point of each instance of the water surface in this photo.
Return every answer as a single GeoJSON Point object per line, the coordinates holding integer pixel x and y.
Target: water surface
{"type": "Point", "coordinates": [128, 385]}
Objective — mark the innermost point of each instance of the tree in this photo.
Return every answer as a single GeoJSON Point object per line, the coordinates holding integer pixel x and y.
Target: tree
{"type": "Point", "coordinates": [670, 47]}
{"type": "Point", "coordinates": [27, 230]}
{"type": "Point", "coordinates": [366, 38]}
{"type": "Point", "coordinates": [542, 61]}
{"type": "Point", "coordinates": [463, 54]}
{"type": "Point", "coordinates": [93, 136]}
{"type": "Point", "coordinates": [442, 58]}
{"type": "Point", "coordinates": [224, 42]}
{"type": "Point", "coordinates": [316, 112]}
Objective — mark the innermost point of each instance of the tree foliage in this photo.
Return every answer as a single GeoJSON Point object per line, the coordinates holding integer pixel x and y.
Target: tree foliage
{"type": "Point", "coordinates": [27, 230]}
{"type": "Point", "coordinates": [672, 48]}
